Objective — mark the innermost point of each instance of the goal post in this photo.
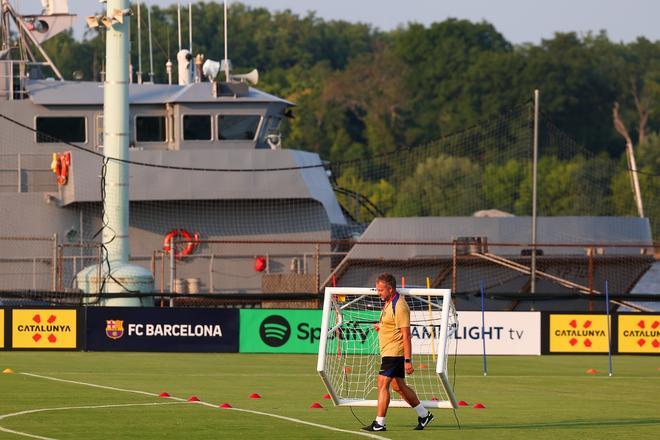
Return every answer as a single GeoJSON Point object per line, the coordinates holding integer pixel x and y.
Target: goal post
{"type": "Point", "coordinates": [349, 353]}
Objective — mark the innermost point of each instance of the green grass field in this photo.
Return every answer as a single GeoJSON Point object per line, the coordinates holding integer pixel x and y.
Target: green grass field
{"type": "Point", "coordinates": [549, 397]}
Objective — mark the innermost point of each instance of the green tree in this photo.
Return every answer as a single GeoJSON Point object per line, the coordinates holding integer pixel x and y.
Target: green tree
{"type": "Point", "coordinates": [442, 185]}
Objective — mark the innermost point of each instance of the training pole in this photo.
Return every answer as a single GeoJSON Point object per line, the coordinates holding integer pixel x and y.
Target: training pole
{"type": "Point", "coordinates": [483, 329]}
{"type": "Point", "coordinates": [609, 330]}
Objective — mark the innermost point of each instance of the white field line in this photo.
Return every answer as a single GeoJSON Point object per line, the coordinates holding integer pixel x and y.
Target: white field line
{"type": "Point", "coordinates": [211, 405]}
{"type": "Point", "coordinates": [65, 408]}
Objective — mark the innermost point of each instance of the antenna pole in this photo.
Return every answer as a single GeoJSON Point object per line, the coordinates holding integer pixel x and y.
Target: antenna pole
{"type": "Point", "coordinates": [139, 28]}
{"type": "Point", "coordinates": [178, 17]}
{"type": "Point", "coordinates": [151, 52]}
{"type": "Point", "coordinates": [535, 153]}
{"type": "Point", "coordinates": [192, 64]}
{"type": "Point", "coordinates": [190, 27]}
{"type": "Point", "coordinates": [226, 58]}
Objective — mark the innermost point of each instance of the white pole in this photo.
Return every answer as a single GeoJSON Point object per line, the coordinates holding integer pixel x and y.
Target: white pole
{"type": "Point", "coordinates": [190, 48]}
{"type": "Point", "coordinates": [151, 52]}
{"type": "Point", "coordinates": [116, 132]}
{"type": "Point", "coordinates": [226, 56]}
{"type": "Point", "coordinates": [139, 27]}
{"type": "Point", "coordinates": [534, 181]}
{"type": "Point", "coordinates": [178, 17]}
{"type": "Point", "coordinates": [190, 27]}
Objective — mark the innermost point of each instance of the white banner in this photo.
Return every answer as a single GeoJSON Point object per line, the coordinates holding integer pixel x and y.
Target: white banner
{"type": "Point", "coordinates": [509, 333]}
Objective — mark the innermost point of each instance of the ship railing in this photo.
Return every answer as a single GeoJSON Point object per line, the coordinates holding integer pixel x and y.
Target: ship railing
{"type": "Point", "coordinates": [26, 172]}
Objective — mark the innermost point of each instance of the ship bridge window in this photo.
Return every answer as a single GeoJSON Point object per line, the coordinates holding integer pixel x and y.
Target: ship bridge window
{"type": "Point", "coordinates": [238, 127]}
{"type": "Point", "coordinates": [150, 128]}
{"type": "Point", "coordinates": [197, 127]}
{"type": "Point", "coordinates": [61, 129]}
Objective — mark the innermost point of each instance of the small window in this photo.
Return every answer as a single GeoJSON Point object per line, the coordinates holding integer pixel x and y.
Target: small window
{"type": "Point", "coordinates": [197, 127]}
{"type": "Point", "coordinates": [238, 127]}
{"type": "Point", "coordinates": [57, 129]}
{"type": "Point", "coordinates": [150, 128]}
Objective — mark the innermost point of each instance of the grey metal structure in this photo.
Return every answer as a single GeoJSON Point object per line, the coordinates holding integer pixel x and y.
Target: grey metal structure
{"type": "Point", "coordinates": [495, 251]}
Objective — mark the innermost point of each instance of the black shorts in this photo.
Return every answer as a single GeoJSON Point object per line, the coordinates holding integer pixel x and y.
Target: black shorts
{"type": "Point", "coordinates": [393, 366]}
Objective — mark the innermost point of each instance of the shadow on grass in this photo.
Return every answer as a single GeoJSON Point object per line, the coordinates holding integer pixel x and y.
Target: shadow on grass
{"type": "Point", "coordinates": [567, 424]}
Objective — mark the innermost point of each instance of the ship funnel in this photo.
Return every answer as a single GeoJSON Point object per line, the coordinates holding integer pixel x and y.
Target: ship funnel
{"type": "Point", "coordinates": [183, 59]}
{"type": "Point", "coordinates": [251, 77]}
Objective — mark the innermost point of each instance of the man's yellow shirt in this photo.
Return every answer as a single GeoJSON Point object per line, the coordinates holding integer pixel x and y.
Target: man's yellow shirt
{"type": "Point", "coordinates": [389, 335]}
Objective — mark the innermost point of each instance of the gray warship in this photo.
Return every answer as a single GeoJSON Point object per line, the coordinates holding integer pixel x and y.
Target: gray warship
{"type": "Point", "coordinates": [207, 164]}
{"type": "Point", "coordinates": [217, 205]}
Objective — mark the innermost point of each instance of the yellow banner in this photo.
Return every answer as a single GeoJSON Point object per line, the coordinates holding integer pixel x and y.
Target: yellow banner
{"type": "Point", "coordinates": [639, 334]}
{"type": "Point", "coordinates": [2, 328]}
{"type": "Point", "coordinates": [578, 333]}
{"type": "Point", "coordinates": [44, 328]}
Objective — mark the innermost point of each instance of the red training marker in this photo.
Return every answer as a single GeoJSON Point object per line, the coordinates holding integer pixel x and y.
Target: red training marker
{"type": "Point", "coordinates": [193, 399]}
{"type": "Point", "coordinates": [164, 395]}
{"type": "Point", "coordinates": [463, 403]}
{"type": "Point", "coordinates": [254, 396]}
{"type": "Point", "coordinates": [478, 406]}
{"type": "Point", "coordinates": [327, 396]}
{"type": "Point", "coordinates": [316, 405]}
{"type": "Point", "coordinates": [224, 405]}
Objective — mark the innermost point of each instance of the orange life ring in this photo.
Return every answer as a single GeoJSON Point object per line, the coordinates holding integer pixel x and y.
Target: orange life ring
{"type": "Point", "coordinates": [192, 241]}
{"type": "Point", "coordinates": [60, 166]}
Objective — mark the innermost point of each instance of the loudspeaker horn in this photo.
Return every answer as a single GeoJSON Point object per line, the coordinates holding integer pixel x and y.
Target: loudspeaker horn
{"type": "Point", "coordinates": [251, 77]}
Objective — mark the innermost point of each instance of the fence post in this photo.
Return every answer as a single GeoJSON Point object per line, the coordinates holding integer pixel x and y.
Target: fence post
{"type": "Point", "coordinates": [19, 171]}
{"type": "Point", "coordinates": [317, 267]}
{"type": "Point", "coordinates": [53, 283]}
{"type": "Point", "coordinates": [453, 266]}
{"type": "Point", "coordinates": [172, 271]}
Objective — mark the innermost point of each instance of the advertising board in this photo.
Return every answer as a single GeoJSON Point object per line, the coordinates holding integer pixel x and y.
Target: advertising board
{"type": "Point", "coordinates": [506, 333]}
{"type": "Point", "coordinates": [578, 333]}
{"type": "Point", "coordinates": [639, 334]}
{"type": "Point", "coordinates": [162, 329]}
{"type": "Point", "coordinates": [44, 329]}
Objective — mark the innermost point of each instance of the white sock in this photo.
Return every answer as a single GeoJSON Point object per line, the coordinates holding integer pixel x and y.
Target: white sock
{"type": "Point", "coordinates": [380, 420]}
{"type": "Point", "coordinates": [421, 411]}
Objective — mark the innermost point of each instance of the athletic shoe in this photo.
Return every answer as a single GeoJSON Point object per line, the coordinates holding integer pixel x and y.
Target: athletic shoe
{"type": "Point", "coordinates": [375, 427]}
{"type": "Point", "coordinates": [423, 421]}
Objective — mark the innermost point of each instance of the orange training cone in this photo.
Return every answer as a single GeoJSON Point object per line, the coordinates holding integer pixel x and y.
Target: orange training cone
{"type": "Point", "coordinates": [592, 371]}
{"type": "Point", "coordinates": [316, 405]}
{"type": "Point", "coordinates": [7, 371]}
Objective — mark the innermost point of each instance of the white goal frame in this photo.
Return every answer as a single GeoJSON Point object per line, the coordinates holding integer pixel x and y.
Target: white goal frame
{"type": "Point", "coordinates": [447, 315]}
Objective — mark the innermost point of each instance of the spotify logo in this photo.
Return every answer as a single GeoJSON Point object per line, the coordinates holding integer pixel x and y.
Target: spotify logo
{"type": "Point", "coordinates": [275, 331]}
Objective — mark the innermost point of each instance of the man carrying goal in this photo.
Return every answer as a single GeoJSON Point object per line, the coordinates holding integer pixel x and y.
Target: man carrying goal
{"type": "Point", "coordinates": [396, 353]}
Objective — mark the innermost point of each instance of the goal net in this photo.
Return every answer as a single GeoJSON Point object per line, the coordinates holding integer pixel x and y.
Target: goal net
{"type": "Point", "coordinates": [349, 354]}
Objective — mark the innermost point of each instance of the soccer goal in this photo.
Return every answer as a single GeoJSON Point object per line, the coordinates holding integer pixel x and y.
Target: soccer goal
{"type": "Point", "coordinates": [349, 354]}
